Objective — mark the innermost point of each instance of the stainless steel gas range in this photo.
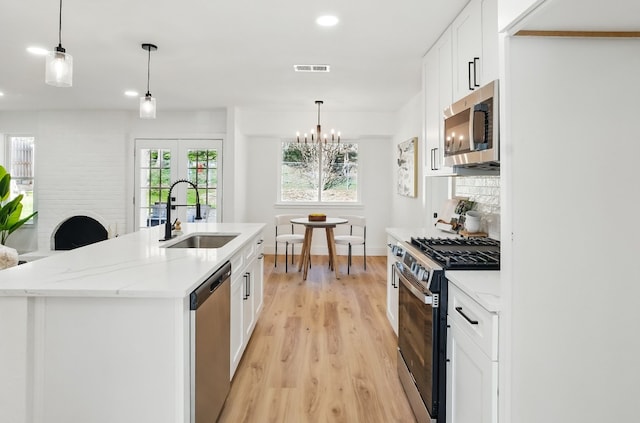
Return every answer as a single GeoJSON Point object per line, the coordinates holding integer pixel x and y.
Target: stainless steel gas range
{"type": "Point", "coordinates": [422, 313]}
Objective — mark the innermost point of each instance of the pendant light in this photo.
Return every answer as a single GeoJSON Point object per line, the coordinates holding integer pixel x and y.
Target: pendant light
{"type": "Point", "coordinates": [148, 103]}
{"type": "Point", "coordinates": [58, 63]}
{"type": "Point", "coordinates": [316, 134]}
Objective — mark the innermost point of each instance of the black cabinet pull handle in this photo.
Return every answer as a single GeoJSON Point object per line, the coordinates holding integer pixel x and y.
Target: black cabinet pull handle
{"type": "Point", "coordinates": [469, 72]}
{"type": "Point", "coordinates": [473, 322]}
{"type": "Point", "coordinates": [246, 286]}
{"type": "Point", "coordinates": [475, 71]}
{"type": "Point", "coordinates": [434, 157]}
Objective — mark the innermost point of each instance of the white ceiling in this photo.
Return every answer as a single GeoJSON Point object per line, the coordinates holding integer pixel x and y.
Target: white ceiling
{"type": "Point", "coordinates": [221, 53]}
{"type": "Point", "coordinates": [586, 15]}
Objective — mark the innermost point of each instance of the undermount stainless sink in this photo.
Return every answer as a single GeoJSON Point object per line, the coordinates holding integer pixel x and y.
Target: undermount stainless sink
{"type": "Point", "coordinates": [204, 241]}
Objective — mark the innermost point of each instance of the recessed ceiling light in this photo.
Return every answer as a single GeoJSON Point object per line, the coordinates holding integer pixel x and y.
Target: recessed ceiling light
{"type": "Point", "coordinates": [327, 20]}
{"type": "Point", "coordinates": [131, 93]}
{"type": "Point", "coordinates": [1, 93]}
{"type": "Point", "coordinates": [38, 51]}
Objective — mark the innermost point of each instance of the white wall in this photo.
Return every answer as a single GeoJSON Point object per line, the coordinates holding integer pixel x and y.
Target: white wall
{"type": "Point", "coordinates": [264, 132]}
{"type": "Point", "coordinates": [416, 212]}
{"type": "Point", "coordinates": [569, 343]}
{"type": "Point", "coordinates": [84, 162]}
{"type": "Point", "coordinates": [408, 211]}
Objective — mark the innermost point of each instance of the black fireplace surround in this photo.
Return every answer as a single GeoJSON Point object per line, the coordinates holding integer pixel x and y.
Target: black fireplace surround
{"type": "Point", "coordinates": [78, 231]}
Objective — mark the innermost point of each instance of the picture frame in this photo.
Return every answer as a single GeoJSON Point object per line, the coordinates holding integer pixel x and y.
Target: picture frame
{"type": "Point", "coordinates": [407, 169]}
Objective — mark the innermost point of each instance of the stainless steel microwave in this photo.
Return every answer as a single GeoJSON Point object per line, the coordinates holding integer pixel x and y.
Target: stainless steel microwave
{"type": "Point", "coordinates": [471, 130]}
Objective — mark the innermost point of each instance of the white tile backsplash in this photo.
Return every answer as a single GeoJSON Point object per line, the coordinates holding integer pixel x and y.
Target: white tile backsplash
{"type": "Point", "coordinates": [485, 191]}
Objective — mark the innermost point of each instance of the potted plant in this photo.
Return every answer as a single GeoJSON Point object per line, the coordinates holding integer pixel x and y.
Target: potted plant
{"type": "Point", "coordinates": [11, 210]}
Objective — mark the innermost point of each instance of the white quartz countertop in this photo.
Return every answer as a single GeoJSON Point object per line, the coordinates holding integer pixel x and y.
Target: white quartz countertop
{"type": "Point", "coordinates": [482, 285]}
{"type": "Point", "coordinates": [405, 234]}
{"type": "Point", "coordinates": [132, 265]}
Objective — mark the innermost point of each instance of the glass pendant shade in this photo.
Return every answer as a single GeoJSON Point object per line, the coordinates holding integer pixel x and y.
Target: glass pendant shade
{"type": "Point", "coordinates": [147, 107]}
{"type": "Point", "coordinates": [59, 68]}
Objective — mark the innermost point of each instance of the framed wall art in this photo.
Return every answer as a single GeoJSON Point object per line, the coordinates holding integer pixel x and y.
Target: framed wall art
{"type": "Point", "coordinates": [407, 158]}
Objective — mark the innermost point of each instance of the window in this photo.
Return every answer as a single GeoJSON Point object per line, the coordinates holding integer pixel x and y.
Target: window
{"type": "Point", "coordinates": [19, 159]}
{"type": "Point", "coordinates": [319, 172]}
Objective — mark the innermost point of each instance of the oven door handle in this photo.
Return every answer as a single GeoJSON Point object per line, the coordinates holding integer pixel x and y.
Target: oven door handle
{"type": "Point", "coordinates": [425, 298]}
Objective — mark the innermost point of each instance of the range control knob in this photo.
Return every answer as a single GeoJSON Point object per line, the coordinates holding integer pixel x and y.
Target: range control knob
{"type": "Point", "coordinates": [423, 275]}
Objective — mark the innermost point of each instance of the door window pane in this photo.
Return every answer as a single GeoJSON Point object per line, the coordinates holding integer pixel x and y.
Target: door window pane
{"type": "Point", "coordinates": [203, 171]}
{"type": "Point", "coordinates": [155, 180]}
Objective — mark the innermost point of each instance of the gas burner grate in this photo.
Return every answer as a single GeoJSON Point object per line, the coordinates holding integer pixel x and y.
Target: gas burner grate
{"type": "Point", "coordinates": [461, 253]}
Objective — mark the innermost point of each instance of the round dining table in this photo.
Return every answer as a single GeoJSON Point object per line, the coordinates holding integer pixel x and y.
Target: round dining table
{"type": "Point", "coordinates": [310, 225]}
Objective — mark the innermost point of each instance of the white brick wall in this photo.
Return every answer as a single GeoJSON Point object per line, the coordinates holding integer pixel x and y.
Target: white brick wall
{"type": "Point", "coordinates": [485, 191]}
{"type": "Point", "coordinates": [80, 173]}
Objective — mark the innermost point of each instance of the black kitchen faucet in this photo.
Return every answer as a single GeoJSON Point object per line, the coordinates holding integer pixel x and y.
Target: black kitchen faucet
{"type": "Point", "coordinates": [168, 226]}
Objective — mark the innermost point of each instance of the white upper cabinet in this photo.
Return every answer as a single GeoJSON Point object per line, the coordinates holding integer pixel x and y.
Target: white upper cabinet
{"type": "Point", "coordinates": [464, 58]}
{"type": "Point", "coordinates": [437, 75]}
{"type": "Point", "coordinates": [466, 34]}
{"type": "Point", "coordinates": [474, 35]}
{"type": "Point", "coordinates": [490, 71]}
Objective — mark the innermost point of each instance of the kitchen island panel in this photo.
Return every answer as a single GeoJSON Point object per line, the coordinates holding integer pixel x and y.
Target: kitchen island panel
{"type": "Point", "coordinates": [106, 359]}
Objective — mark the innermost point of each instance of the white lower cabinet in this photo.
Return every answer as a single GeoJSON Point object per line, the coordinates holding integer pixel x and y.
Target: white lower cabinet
{"type": "Point", "coordinates": [246, 297]}
{"type": "Point", "coordinates": [472, 372]}
{"type": "Point", "coordinates": [392, 288]}
{"type": "Point", "coordinates": [237, 331]}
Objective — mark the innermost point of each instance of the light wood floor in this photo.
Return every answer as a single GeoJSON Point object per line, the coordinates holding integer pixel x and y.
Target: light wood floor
{"type": "Point", "coordinates": [322, 350]}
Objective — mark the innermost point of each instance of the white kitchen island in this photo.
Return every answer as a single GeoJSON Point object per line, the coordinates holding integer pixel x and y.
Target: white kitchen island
{"type": "Point", "coordinates": [100, 334]}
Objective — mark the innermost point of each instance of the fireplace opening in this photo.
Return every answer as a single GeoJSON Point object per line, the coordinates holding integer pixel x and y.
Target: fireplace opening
{"type": "Point", "coordinates": [78, 231]}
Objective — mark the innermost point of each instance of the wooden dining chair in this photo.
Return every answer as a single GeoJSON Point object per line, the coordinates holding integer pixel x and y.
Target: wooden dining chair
{"type": "Point", "coordinates": [357, 236]}
{"type": "Point", "coordinates": [285, 233]}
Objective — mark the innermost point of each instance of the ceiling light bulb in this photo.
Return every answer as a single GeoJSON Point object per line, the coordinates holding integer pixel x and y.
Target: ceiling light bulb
{"type": "Point", "coordinates": [59, 68]}
{"type": "Point", "coordinates": [131, 93]}
{"type": "Point", "coordinates": [327, 20]}
{"type": "Point", "coordinates": [147, 107]}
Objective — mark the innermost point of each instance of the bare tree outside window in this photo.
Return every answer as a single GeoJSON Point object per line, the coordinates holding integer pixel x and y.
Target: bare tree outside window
{"type": "Point", "coordinates": [319, 172]}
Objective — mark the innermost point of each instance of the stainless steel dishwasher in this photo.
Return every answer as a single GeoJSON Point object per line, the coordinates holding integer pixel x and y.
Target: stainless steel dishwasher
{"type": "Point", "coordinates": [210, 349]}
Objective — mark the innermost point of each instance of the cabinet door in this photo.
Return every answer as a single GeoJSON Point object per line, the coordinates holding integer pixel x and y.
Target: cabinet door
{"type": "Point", "coordinates": [472, 381]}
{"type": "Point", "coordinates": [258, 284]}
{"type": "Point", "coordinates": [467, 50]}
{"type": "Point", "coordinates": [237, 329]}
{"type": "Point", "coordinates": [437, 96]}
{"type": "Point", "coordinates": [392, 290]}
{"type": "Point", "coordinates": [248, 303]}
{"type": "Point", "coordinates": [490, 69]}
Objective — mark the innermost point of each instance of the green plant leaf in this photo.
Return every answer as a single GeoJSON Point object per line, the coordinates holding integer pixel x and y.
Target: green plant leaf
{"type": "Point", "coordinates": [20, 222]}
{"type": "Point", "coordinates": [10, 211]}
{"type": "Point", "coordinates": [5, 185]}
{"type": "Point", "coordinates": [9, 208]}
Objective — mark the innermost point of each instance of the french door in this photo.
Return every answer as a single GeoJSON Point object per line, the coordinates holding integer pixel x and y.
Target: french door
{"type": "Point", "coordinates": [161, 162]}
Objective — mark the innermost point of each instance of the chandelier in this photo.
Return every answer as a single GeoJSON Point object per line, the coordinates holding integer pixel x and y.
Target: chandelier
{"type": "Point", "coordinates": [316, 135]}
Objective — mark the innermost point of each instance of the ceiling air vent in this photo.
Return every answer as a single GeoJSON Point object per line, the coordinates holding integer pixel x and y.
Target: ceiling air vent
{"type": "Point", "coordinates": [311, 68]}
